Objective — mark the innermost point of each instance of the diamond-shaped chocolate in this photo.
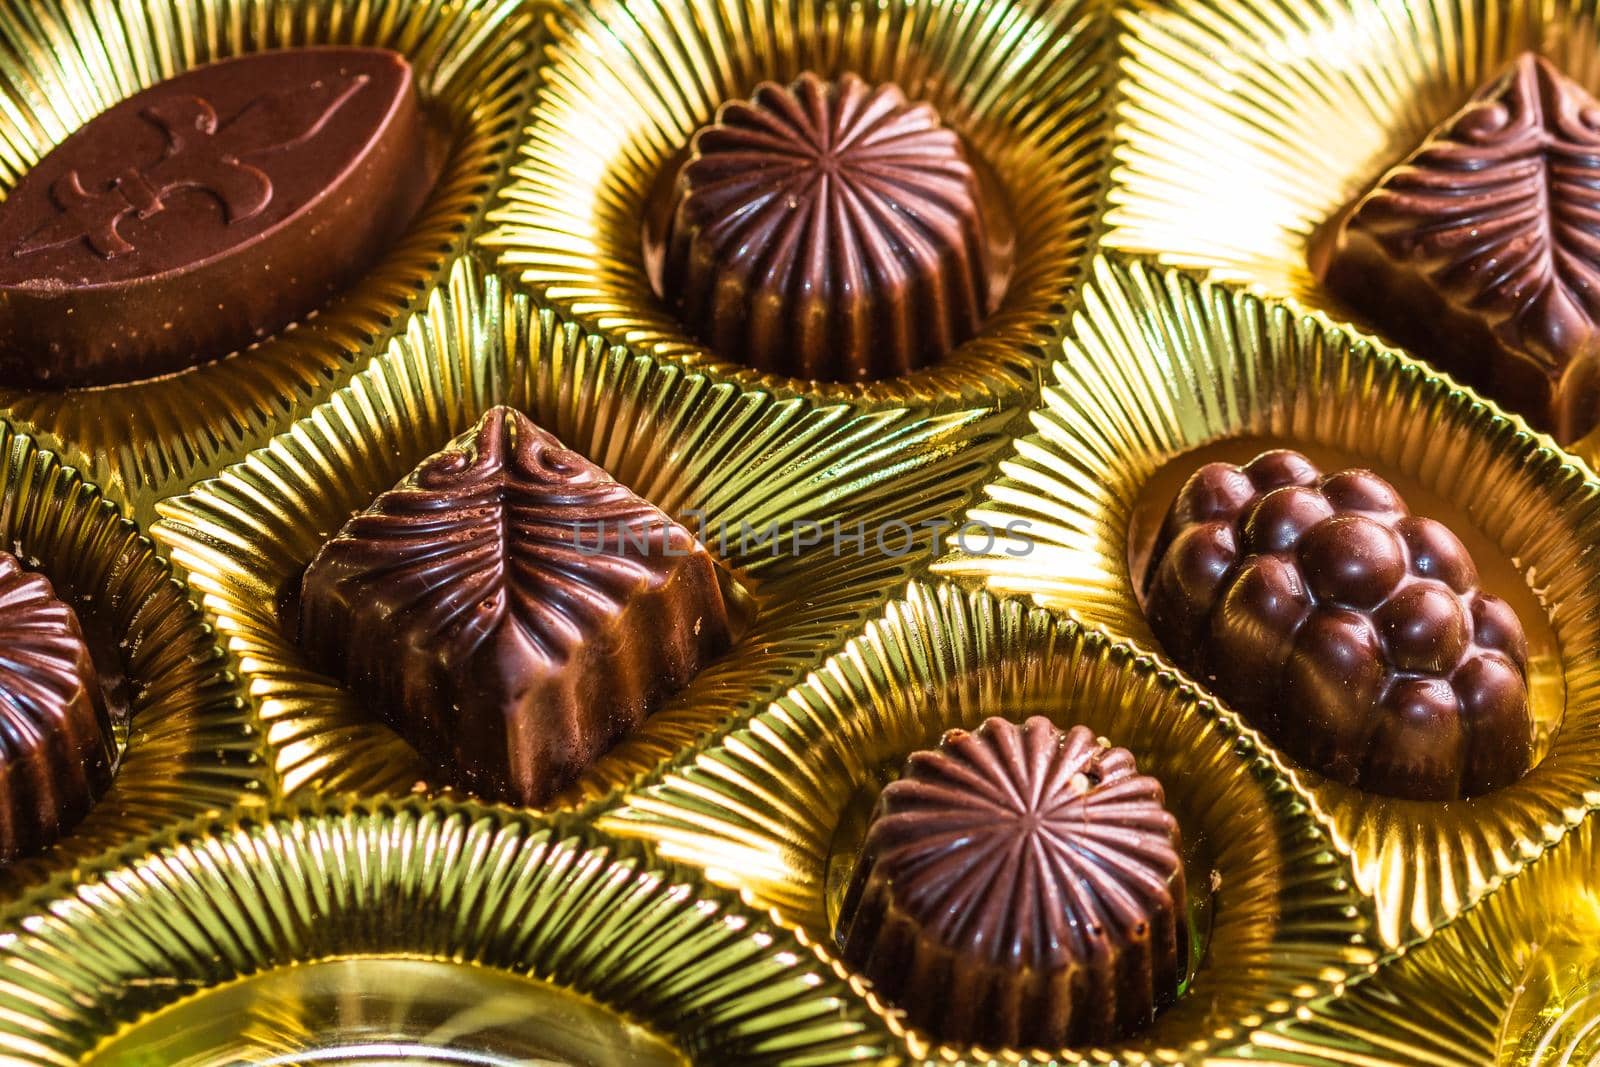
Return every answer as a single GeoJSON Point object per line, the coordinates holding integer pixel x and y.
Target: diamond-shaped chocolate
{"type": "Point", "coordinates": [1481, 251]}
{"type": "Point", "coordinates": [512, 610]}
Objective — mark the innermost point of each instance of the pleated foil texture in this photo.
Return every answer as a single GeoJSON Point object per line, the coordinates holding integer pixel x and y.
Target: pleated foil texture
{"type": "Point", "coordinates": [189, 745]}
{"type": "Point", "coordinates": [623, 86]}
{"type": "Point", "coordinates": [746, 467]}
{"type": "Point", "coordinates": [779, 806]}
{"type": "Point", "coordinates": [280, 938]}
{"type": "Point", "coordinates": [1160, 364]}
{"type": "Point", "coordinates": [64, 61]}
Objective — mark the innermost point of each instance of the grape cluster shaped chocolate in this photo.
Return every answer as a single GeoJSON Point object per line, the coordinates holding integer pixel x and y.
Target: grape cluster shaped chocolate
{"type": "Point", "coordinates": [1349, 631]}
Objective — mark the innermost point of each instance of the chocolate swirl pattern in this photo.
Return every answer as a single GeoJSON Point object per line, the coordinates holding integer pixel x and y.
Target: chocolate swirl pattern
{"type": "Point", "coordinates": [830, 231]}
{"type": "Point", "coordinates": [1482, 249]}
{"type": "Point", "coordinates": [55, 735]}
{"type": "Point", "coordinates": [512, 610]}
{"type": "Point", "coordinates": [1020, 886]}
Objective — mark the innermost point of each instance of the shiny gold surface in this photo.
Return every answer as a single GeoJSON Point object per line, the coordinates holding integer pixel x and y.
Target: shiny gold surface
{"type": "Point", "coordinates": [776, 807]}
{"type": "Point", "coordinates": [624, 85]}
{"type": "Point", "coordinates": [453, 933]}
{"type": "Point", "coordinates": [1159, 366]}
{"type": "Point", "coordinates": [189, 745]}
{"type": "Point", "coordinates": [64, 61]}
{"type": "Point", "coordinates": [720, 456]}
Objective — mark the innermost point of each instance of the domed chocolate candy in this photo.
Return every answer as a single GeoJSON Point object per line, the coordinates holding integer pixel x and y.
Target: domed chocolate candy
{"type": "Point", "coordinates": [511, 610]}
{"type": "Point", "coordinates": [1481, 251]}
{"type": "Point", "coordinates": [1020, 886]}
{"type": "Point", "coordinates": [55, 735]}
{"type": "Point", "coordinates": [829, 230]}
{"type": "Point", "coordinates": [1348, 630]}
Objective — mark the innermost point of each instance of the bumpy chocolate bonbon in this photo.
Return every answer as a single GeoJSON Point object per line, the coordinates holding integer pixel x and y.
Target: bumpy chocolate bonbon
{"type": "Point", "coordinates": [831, 231]}
{"type": "Point", "coordinates": [512, 610]}
{"type": "Point", "coordinates": [1481, 251]}
{"type": "Point", "coordinates": [1021, 886]}
{"type": "Point", "coordinates": [55, 735]}
{"type": "Point", "coordinates": [207, 212]}
{"type": "Point", "coordinates": [1349, 631]}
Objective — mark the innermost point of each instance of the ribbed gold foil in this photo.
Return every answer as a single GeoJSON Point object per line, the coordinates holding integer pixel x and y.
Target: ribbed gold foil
{"type": "Point", "coordinates": [1515, 983]}
{"type": "Point", "coordinates": [368, 933]}
{"type": "Point", "coordinates": [623, 86]}
{"type": "Point", "coordinates": [189, 745]}
{"type": "Point", "coordinates": [64, 61]}
{"type": "Point", "coordinates": [1244, 127]}
{"type": "Point", "coordinates": [1160, 365]}
{"type": "Point", "coordinates": [744, 466]}
{"type": "Point", "coordinates": [778, 807]}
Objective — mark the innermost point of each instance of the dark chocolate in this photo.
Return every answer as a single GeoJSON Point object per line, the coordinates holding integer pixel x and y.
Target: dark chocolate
{"type": "Point", "coordinates": [1349, 631]}
{"type": "Point", "coordinates": [207, 212]}
{"type": "Point", "coordinates": [55, 735]}
{"type": "Point", "coordinates": [1020, 886]}
{"type": "Point", "coordinates": [511, 610]}
{"type": "Point", "coordinates": [831, 231]}
{"type": "Point", "coordinates": [1481, 251]}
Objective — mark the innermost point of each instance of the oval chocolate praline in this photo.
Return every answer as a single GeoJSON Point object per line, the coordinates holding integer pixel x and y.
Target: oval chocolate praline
{"type": "Point", "coordinates": [1349, 631]}
{"type": "Point", "coordinates": [206, 213]}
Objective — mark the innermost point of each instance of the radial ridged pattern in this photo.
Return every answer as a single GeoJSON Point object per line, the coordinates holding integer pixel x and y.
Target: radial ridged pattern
{"type": "Point", "coordinates": [778, 805]}
{"type": "Point", "coordinates": [148, 440]}
{"type": "Point", "coordinates": [625, 86]}
{"type": "Point", "coordinates": [1158, 365]}
{"type": "Point", "coordinates": [829, 231]}
{"type": "Point", "coordinates": [484, 896]}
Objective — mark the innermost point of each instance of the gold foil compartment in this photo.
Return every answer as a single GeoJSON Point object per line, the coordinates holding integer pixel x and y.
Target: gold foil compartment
{"type": "Point", "coordinates": [64, 61]}
{"type": "Point", "coordinates": [779, 805]}
{"type": "Point", "coordinates": [1159, 370]}
{"type": "Point", "coordinates": [1244, 129]}
{"type": "Point", "coordinates": [1515, 983]}
{"type": "Point", "coordinates": [187, 743]}
{"type": "Point", "coordinates": [414, 930]}
{"type": "Point", "coordinates": [623, 86]}
{"type": "Point", "coordinates": [721, 457]}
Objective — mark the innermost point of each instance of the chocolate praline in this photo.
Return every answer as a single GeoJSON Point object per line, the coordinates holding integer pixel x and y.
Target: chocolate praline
{"type": "Point", "coordinates": [1021, 886]}
{"type": "Point", "coordinates": [511, 610]}
{"type": "Point", "coordinates": [1351, 632]}
{"type": "Point", "coordinates": [832, 230]}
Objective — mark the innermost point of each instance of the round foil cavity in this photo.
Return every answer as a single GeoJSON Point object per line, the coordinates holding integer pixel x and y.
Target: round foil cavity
{"type": "Point", "coordinates": [1162, 369]}
{"type": "Point", "coordinates": [779, 805]}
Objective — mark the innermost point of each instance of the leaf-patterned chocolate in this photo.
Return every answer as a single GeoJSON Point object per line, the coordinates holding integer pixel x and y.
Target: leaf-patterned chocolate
{"type": "Point", "coordinates": [55, 736]}
{"type": "Point", "coordinates": [512, 610]}
{"type": "Point", "coordinates": [1481, 251]}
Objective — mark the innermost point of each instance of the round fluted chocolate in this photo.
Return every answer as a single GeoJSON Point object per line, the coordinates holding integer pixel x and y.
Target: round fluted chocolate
{"type": "Point", "coordinates": [1349, 631]}
{"type": "Point", "coordinates": [1020, 886]}
{"type": "Point", "coordinates": [55, 735]}
{"type": "Point", "coordinates": [831, 231]}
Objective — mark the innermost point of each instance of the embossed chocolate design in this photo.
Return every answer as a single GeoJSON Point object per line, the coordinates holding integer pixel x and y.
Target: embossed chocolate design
{"type": "Point", "coordinates": [511, 610]}
{"type": "Point", "coordinates": [1481, 252]}
{"type": "Point", "coordinates": [832, 231]}
{"type": "Point", "coordinates": [1021, 886]}
{"type": "Point", "coordinates": [1349, 631]}
{"type": "Point", "coordinates": [207, 212]}
{"type": "Point", "coordinates": [55, 735]}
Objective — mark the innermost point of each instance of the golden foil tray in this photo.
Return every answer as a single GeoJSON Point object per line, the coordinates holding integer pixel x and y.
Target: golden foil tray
{"type": "Point", "coordinates": [64, 61]}
{"type": "Point", "coordinates": [623, 86]}
{"type": "Point", "coordinates": [1162, 372]}
{"type": "Point", "coordinates": [370, 932]}
{"type": "Point", "coordinates": [778, 806]}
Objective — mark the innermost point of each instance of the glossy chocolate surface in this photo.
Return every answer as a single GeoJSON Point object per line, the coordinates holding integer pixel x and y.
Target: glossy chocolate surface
{"type": "Point", "coordinates": [832, 231]}
{"type": "Point", "coordinates": [1481, 251]}
{"type": "Point", "coordinates": [207, 212]}
{"type": "Point", "coordinates": [511, 610]}
{"type": "Point", "coordinates": [1019, 886]}
{"type": "Point", "coordinates": [1349, 631]}
{"type": "Point", "coordinates": [55, 736]}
